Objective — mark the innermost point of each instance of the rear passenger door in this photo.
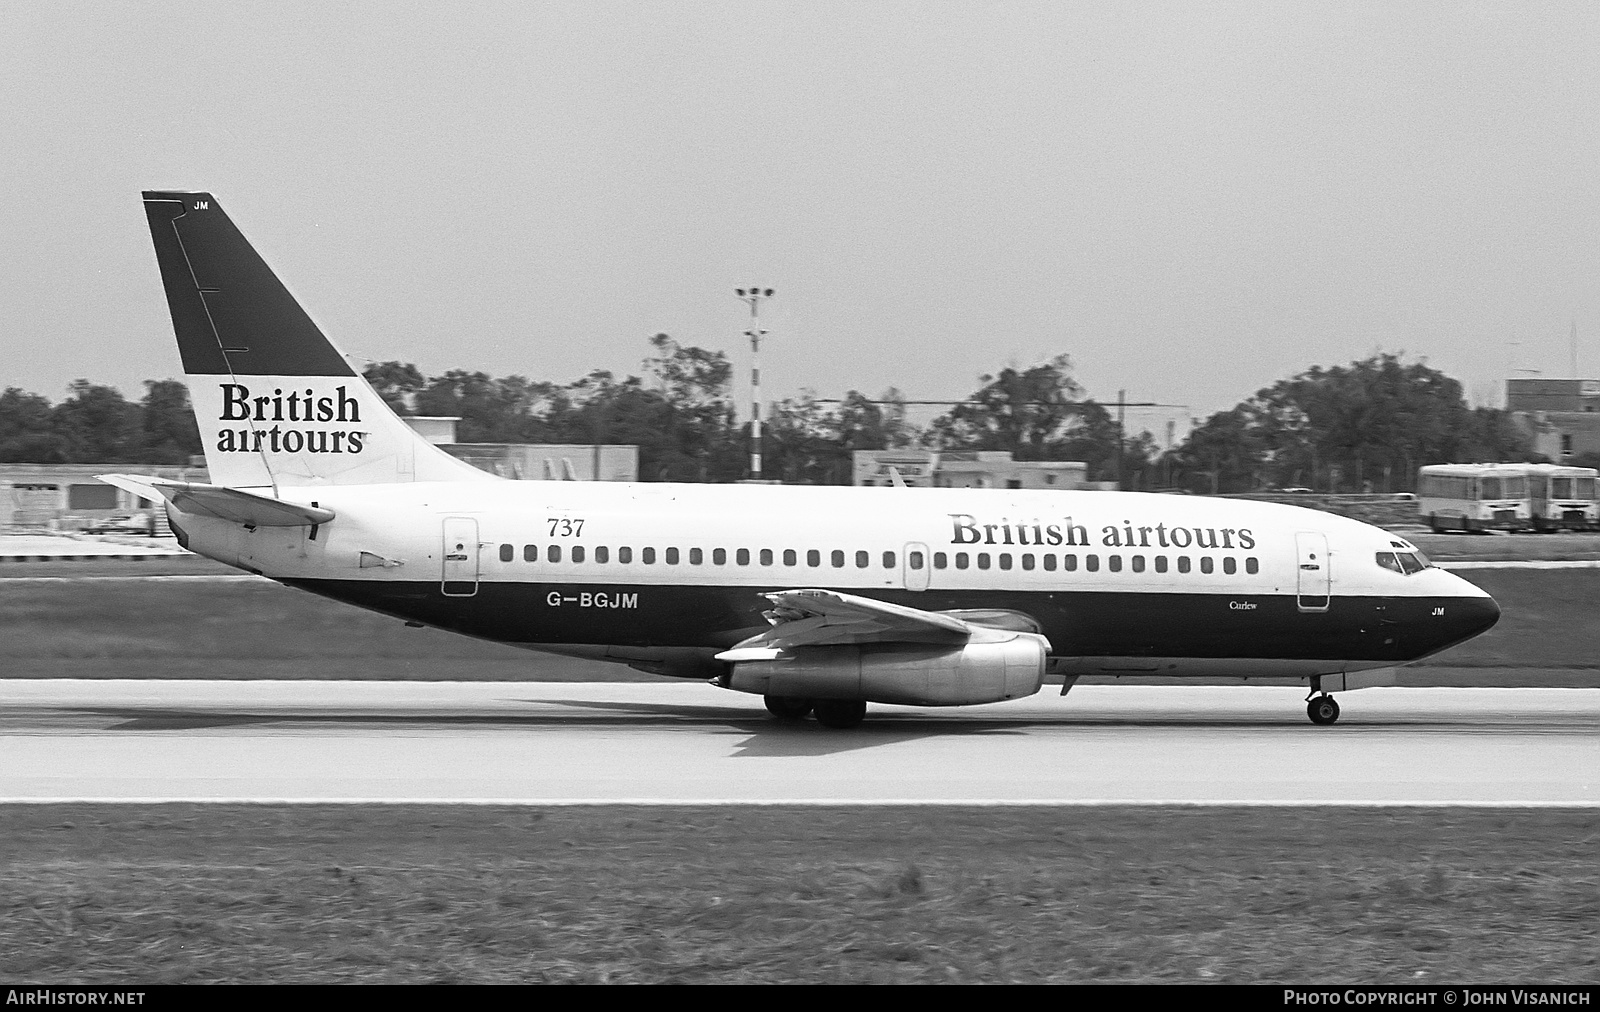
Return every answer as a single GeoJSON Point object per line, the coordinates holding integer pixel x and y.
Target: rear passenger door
{"type": "Point", "coordinates": [460, 557]}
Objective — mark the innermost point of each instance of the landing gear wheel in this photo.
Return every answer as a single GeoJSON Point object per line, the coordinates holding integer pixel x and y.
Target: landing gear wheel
{"type": "Point", "coordinates": [787, 707]}
{"type": "Point", "coordinates": [840, 713]}
{"type": "Point", "coordinates": [1323, 710]}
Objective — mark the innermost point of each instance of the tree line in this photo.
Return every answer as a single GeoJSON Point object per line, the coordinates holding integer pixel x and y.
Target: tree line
{"type": "Point", "coordinates": [1363, 427]}
{"type": "Point", "coordinates": [97, 425]}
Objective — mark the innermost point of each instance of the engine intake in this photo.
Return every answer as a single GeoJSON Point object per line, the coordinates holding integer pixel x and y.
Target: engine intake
{"type": "Point", "coordinates": [1007, 667]}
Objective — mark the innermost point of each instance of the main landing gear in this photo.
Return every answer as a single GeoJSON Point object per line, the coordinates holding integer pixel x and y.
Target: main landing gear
{"type": "Point", "coordinates": [788, 708]}
{"type": "Point", "coordinates": [1322, 709]}
{"type": "Point", "coordinates": [841, 713]}
{"type": "Point", "coordinates": [835, 713]}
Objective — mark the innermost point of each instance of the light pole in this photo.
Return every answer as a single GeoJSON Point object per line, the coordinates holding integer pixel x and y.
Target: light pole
{"type": "Point", "coordinates": [753, 296]}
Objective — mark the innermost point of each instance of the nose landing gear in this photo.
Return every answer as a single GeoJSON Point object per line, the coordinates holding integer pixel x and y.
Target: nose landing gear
{"type": "Point", "coordinates": [1322, 709]}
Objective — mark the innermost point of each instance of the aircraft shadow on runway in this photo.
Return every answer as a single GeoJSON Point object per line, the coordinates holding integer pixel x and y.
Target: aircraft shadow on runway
{"type": "Point", "coordinates": [771, 738]}
{"type": "Point", "coordinates": [768, 738]}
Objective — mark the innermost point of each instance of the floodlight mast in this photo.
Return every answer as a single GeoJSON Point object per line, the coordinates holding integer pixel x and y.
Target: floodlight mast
{"type": "Point", "coordinates": [753, 296]}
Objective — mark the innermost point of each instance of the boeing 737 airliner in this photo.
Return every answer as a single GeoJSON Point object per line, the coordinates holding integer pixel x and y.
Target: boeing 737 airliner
{"type": "Point", "coordinates": [819, 599]}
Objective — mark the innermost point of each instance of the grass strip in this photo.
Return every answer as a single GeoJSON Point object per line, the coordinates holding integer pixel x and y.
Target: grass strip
{"type": "Point", "coordinates": [187, 893]}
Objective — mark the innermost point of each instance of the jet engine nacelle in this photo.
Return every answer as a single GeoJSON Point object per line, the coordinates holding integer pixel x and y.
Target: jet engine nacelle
{"type": "Point", "coordinates": [988, 672]}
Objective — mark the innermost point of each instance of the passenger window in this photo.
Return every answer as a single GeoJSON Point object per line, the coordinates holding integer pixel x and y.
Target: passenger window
{"type": "Point", "coordinates": [554, 554]}
{"type": "Point", "coordinates": [1091, 563]}
{"type": "Point", "coordinates": [1183, 563]}
{"type": "Point", "coordinates": [1050, 563]}
{"type": "Point", "coordinates": [530, 553]}
{"type": "Point", "coordinates": [602, 554]}
{"type": "Point", "coordinates": [1138, 563]}
{"type": "Point", "coordinates": [742, 557]}
{"type": "Point", "coordinates": [837, 558]}
{"type": "Point", "coordinates": [1114, 563]}
{"type": "Point", "coordinates": [1389, 562]}
{"type": "Point", "coordinates": [647, 556]}
{"type": "Point", "coordinates": [983, 560]}
{"type": "Point", "coordinates": [766, 556]}
{"type": "Point", "coordinates": [624, 555]}
{"type": "Point", "coordinates": [672, 556]}
{"type": "Point", "coordinates": [719, 556]}
{"type": "Point", "coordinates": [1005, 560]}
{"type": "Point", "coordinates": [888, 560]}
{"type": "Point", "coordinates": [1206, 564]}
{"type": "Point", "coordinates": [507, 553]}
{"type": "Point", "coordinates": [961, 560]}
{"type": "Point", "coordinates": [577, 553]}
{"type": "Point", "coordinates": [813, 558]}
{"type": "Point", "coordinates": [914, 559]}
{"type": "Point", "coordinates": [789, 558]}
{"type": "Point", "coordinates": [1230, 565]}
{"type": "Point", "coordinates": [1027, 560]}
{"type": "Point", "coordinates": [1251, 566]}
{"type": "Point", "coordinates": [696, 556]}
{"type": "Point", "coordinates": [941, 560]}
{"type": "Point", "coordinates": [1161, 563]}
{"type": "Point", "coordinates": [863, 559]}
{"type": "Point", "coordinates": [1069, 562]}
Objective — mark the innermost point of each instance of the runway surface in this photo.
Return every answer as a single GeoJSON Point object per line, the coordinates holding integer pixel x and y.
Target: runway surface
{"type": "Point", "coordinates": [564, 743]}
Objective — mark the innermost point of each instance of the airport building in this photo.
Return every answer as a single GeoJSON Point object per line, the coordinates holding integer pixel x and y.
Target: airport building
{"type": "Point", "coordinates": [969, 469]}
{"type": "Point", "coordinates": [1561, 416]}
{"type": "Point", "coordinates": [533, 461]}
{"type": "Point", "coordinates": [68, 497]}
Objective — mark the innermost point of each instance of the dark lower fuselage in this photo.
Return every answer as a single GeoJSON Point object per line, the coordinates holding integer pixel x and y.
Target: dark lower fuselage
{"type": "Point", "coordinates": [1369, 631]}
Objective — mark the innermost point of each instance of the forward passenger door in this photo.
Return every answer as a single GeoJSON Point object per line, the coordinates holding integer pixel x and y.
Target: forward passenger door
{"type": "Point", "coordinates": [1314, 577]}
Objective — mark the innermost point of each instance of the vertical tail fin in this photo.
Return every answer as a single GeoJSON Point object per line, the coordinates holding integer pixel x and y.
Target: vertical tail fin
{"type": "Point", "coordinates": [277, 403]}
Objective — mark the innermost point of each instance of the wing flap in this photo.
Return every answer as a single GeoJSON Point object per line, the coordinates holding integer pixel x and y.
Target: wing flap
{"type": "Point", "coordinates": [815, 618]}
{"type": "Point", "coordinates": [229, 504]}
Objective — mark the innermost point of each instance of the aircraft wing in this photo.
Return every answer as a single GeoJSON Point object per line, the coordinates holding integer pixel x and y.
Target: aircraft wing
{"type": "Point", "coordinates": [222, 503]}
{"type": "Point", "coordinates": [813, 618]}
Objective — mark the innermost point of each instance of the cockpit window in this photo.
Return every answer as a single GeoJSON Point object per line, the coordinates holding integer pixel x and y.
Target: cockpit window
{"type": "Point", "coordinates": [1405, 563]}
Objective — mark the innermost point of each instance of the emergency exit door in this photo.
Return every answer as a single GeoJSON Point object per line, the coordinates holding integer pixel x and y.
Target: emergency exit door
{"type": "Point", "coordinates": [915, 567]}
{"type": "Point", "coordinates": [460, 557]}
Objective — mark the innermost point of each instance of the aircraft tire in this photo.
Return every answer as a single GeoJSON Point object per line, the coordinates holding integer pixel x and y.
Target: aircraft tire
{"type": "Point", "coordinates": [841, 714]}
{"type": "Point", "coordinates": [788, 708]}
{"type": "Point", "coordinates": [1323, 710]}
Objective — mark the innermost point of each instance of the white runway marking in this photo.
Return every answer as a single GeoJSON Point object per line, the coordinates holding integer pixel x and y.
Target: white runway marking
{"type": "Point", "coordinates": [39, 547]}
{"type": "Point", "coordinates": [1523, 564]}
{"type": "Point", "coordinates": [620, 743]}
{"type": "Point", "coordinates": [176, 577]}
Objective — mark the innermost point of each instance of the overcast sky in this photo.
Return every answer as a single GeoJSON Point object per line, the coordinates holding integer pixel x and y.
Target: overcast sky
{"type": "Point", "coordinates": [1194, 200]}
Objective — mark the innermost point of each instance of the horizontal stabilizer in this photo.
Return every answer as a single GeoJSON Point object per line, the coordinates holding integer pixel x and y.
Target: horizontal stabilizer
{"type": "Point", "coordinates": [229, 504]}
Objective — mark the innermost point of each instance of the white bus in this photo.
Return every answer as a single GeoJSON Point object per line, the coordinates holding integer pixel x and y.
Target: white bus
{"type": "Point", "coordinates": [1563, 498]}
{"type": "Point", "coordinates": [1511, 497]}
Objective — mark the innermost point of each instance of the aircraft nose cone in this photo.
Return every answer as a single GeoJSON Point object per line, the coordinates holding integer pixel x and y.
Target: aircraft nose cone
{"type": "Point", "coordinates": [1477, 615]}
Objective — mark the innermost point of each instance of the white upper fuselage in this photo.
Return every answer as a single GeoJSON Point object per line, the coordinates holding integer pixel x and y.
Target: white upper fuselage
{"type": "Point", "coordinates": [403, 524]}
